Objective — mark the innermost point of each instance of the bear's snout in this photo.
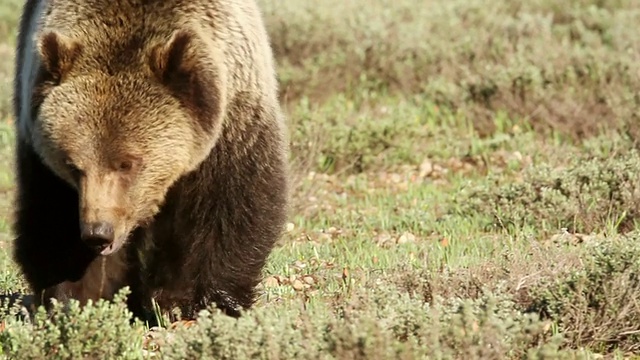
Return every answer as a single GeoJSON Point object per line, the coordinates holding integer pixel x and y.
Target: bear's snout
{"type": "Point", "coordinates": [98, 235]}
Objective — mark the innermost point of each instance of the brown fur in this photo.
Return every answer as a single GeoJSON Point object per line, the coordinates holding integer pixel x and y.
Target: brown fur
{"type": "Point", "coordinates": [161, 120]}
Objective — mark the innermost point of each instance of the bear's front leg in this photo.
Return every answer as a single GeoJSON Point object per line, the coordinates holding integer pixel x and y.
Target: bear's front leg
{"type": "Point", "coordinates": [47, 245]}
{"type": "Point", "coordinates": [103, 278]}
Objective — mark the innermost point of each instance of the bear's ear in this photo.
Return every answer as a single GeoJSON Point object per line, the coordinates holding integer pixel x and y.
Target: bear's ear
{"type": "Point", "coordinates": [184, 68]}
{"type": "Point", "coordinates": [175, 60]}
{"type": "Point", "coordinates": [58, 54]}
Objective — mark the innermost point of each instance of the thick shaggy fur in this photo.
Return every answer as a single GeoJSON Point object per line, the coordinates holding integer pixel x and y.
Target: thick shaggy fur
{"type": "Point", "coordinates": [161, 119]}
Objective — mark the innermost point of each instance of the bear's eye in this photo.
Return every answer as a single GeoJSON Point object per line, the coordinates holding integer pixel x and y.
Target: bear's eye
{"type": "Point", "coordinates": [73, 169]}
{"type": "Point", "coordinates": [125, 165]}
{"type": "Point", "coordinates": [128, 164]}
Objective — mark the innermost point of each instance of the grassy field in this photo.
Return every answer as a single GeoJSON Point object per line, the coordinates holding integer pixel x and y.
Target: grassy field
{"type": "Point", "coordinates": [466, 188]}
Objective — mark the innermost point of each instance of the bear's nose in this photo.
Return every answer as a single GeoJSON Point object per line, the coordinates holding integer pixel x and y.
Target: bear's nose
{"type": "Point", "coordinates": [98, 235]}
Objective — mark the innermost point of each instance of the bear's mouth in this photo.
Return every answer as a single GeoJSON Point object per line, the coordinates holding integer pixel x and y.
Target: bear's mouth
{"type": "Point", "coordinates": [113, 247]}
{"type": "Point", "coordinates": [110, 249]}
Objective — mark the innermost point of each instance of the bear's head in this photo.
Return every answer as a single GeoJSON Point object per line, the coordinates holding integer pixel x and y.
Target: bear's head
{"type": "Point", "coordinates": [123, 129]}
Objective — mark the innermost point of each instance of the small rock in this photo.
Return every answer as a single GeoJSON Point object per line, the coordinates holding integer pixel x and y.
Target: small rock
{"type": "Point", "coordinates": [309, 280]}
{"type": "Point", "coordinates": [565, 237]}
{"type": "Point", "coordinates": [518, 156]}
{"type": "Point", "coordinates": [271, 281]}
{"type": "Point", "coordinates": [426, 168]}
{"type": "Point", "coordinates": [290, 227]}
{"type": "Point", "coordinates": [330, 230]}
{"type": "Point", "coordinates": [297, 285]}
{"type": "Point", "coordinates": [406, 238]}
{"type": "Point", "coordinates": [383, 240]}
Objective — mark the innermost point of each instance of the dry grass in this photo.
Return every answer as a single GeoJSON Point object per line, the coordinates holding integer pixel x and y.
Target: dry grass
{"type": "Point", "coordinates": [570, 68]}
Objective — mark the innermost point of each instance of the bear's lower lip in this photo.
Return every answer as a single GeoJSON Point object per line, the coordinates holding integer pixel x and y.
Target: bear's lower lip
{"type": "Point", "coordinates": [110, 249]}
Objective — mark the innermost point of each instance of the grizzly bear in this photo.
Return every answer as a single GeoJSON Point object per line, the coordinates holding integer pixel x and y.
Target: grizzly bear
{"type": "Point", "coordinates": [151, 152]}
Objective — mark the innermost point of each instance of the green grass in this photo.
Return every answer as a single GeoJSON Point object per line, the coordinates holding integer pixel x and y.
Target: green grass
{"type": "Point", "coordinates": [466, 187]}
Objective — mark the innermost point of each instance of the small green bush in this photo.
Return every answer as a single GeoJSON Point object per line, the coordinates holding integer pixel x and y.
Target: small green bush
{"type": "Point", "coordinates": [379, 324]}
{"type": "Point", "coordinates": [590, 194]}
{"type": "Point", "coordinates": [95, 331]}
{"type": "Point", "coordinates": [597, 306]}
